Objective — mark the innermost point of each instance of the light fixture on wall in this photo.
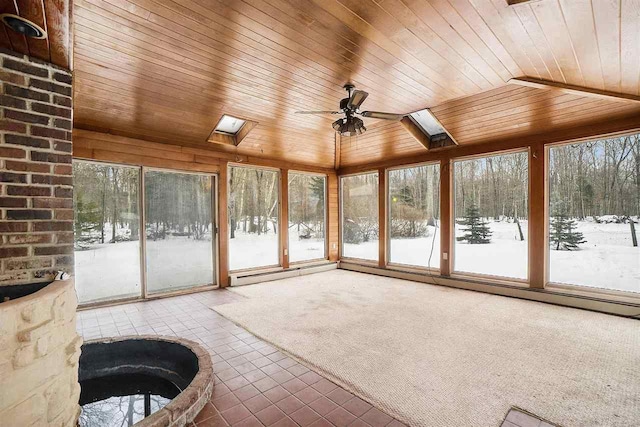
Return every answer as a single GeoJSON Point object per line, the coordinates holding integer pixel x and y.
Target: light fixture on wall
{"type": "Point", "coordinates": [23, 26]}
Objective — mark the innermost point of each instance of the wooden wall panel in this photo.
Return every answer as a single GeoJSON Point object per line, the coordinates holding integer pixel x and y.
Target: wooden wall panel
{"type": "Point", "coordinates": [382, 217]}
{"type": "Point", "coordinates": [537, 216]}
{"type": "Point", "coordinates": [115, 148]}
{"type": "Point", "coordinates": [223, 225]}
{"type": "Point", "coordinates": [446, 216]}
{"type": "Point", "coordinates": [333, 217]}
{"type": "Point", "coordinates": [283, 220]}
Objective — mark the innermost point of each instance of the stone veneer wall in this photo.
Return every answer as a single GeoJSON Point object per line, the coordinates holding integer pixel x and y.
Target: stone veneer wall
{"type": "Point", "coordinates": [36, 193]}
{"type": "Point", "coordinates": [39, 352]}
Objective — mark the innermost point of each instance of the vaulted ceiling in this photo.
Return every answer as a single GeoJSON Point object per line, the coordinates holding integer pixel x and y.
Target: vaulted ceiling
{"type": "Point", "coordinates": [167, 70]}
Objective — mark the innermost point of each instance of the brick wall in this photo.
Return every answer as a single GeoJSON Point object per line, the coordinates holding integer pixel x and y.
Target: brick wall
{"type": "Point", "coordinates": [36, 193]}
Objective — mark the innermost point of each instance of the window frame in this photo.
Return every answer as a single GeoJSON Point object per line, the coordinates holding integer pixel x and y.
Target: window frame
{"type": "Point", "coordinates": [490, 278]}
{"type": "Point", "coordinates": [363, 261]}
{"type": "Point", "coordinates": [261, 268]}
{"type": "Point", "coordinates": [325, 219]}
{"type": "Point", "coordinates": [397, 265]}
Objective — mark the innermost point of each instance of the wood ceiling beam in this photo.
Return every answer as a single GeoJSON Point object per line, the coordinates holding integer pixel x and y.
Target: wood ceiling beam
{"type": "Point", "coordinates": [574, 90]}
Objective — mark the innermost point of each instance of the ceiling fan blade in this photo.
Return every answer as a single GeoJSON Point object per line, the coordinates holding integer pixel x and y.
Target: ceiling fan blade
{"type": "Point", "coordinates": [379, 115]}
{"type": "Point", "coordinates": [319, 112]}
{"type": "Point", "coordinates": [356, 99]}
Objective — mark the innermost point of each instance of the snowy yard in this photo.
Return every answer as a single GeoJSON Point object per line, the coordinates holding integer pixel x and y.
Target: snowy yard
{"type": "Point", "coordinates": [250, 250]}
{"type": "Point", "coordinates": [608, 259]}
{"type": "Point", "coordinates": [112, 270]}
{"type": "Point", "coordinates": [108, 271]}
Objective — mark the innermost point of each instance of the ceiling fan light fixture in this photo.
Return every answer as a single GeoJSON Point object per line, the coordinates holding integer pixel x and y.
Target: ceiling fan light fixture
{"type": "Point", "coordinates": [350, 126]}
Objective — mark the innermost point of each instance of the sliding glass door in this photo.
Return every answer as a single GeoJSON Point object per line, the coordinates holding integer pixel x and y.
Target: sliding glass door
{"type": "Point", "coordinates": [174, 245]}
{"type": "Point", "coordinates": [179, 231]}
{"type": "Point", "coordinates": [253, 218]}
{"type": "Point", "coordinates": [107, 231]}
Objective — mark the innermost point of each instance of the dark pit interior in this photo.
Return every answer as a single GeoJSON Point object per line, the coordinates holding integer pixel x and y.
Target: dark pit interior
{"type": "Point", "coordinates": [124, 381]}
{"type": "Point", "coordinates": [8, 293]}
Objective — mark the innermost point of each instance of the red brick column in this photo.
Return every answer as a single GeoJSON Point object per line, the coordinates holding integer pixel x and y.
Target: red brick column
{"type": "Point", "coordinates": [36, 184]}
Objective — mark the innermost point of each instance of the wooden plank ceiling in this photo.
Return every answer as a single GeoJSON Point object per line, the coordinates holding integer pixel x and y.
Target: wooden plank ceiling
{"type": "Point", "coordinates": [167, 70]}
{"type": "Point", "coordinates": [50, 15]}
{"type": "Point", "coordinates": [506, 113]}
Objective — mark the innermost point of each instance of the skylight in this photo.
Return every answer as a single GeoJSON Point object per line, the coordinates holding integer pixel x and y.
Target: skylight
{"type": "Point", "coordinates": [427, 122]}
{"type": "Point", "coordinates": [229, 125]}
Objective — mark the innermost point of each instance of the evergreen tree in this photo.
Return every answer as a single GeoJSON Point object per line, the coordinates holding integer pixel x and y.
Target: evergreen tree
{"type": "Point", "coordinates": [563, 235]}
{"type": "Point", "coordinates": [476, 231]}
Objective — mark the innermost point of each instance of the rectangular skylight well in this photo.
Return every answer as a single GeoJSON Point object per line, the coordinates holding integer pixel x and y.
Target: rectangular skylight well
{"type": "Point", "coordinates": [229, 125]}
{"type": "Point", "coordinates": [427, 122]}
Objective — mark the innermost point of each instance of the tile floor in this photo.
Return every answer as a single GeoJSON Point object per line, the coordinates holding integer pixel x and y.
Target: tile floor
{"type": "Point", "coordinates": [256, 385]}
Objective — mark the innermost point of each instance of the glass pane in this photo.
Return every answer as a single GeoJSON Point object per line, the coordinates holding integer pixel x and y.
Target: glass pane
{"type": "Point", "coordinates": [253, 218]}
{"type": "Point", "coordinates": [594, 208]}
{"type": "Point", "coordinates": [107, 231]}
{"type": "Point", "coordinates": [414, 216]}
{"type": "Point", "coordinates": [491, 211]}
{"type": "Point", "coordinates": [360, 227]}
{"type": "Point", "coordinates": [306, 217]}
{"type": "Point", "coordinates": [179, 231]}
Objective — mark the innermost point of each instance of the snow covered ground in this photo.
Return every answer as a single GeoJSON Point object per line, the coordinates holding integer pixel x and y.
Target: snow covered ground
{"type": "Point", "coordinates": [108, 271]}
{"type": "Point", "coordinates": [177, 263]}
{"type": "Point", "coordinates": [608, 259]}
{"type": "Point", "coordinates": [505, 256]}
{"type": "Point", "coordinates": [112, 270]}
{"type": "Point", "coordinates": [250, 250]}
{"type": "Point", "coordinates": [416, 251]}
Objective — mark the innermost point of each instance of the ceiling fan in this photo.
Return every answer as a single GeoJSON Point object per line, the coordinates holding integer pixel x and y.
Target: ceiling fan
{"type": "Point", "coordinates": [350, 106]}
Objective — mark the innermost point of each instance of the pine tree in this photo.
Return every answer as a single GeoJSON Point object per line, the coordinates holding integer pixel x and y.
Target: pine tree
{"type": "Point", "coordinates": [476, 231]}
{"type": "Point", "coordinates": [563, 235]}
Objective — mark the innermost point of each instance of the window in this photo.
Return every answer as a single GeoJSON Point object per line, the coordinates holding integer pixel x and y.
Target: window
{"type": "Point", "coordinates": [179, 244]}
{"type": "Point", "coordinates": [594, 204]}
{"type": "Point", "coordinates": [360, 227]}
{"type": "Point", "coordinates": [306, 217]}
{"type": "Point", "coordinates": [491, 196]}
{"type": "Point", "coordinates": [253, 218]}
{"type": "Point", "coordinates": [229, 125]}
{"type": "Point", "coordinates": [414, 220]}
{"type": "Point", "coordinates": [107, 231]}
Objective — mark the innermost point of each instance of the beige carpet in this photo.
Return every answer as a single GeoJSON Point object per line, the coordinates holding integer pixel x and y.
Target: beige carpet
{"type": "Point", "coordinates": [436, 356]}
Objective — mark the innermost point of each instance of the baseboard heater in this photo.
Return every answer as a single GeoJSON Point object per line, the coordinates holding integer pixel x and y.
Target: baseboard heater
{"type": "Point", "coordinates": [248, 279]}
